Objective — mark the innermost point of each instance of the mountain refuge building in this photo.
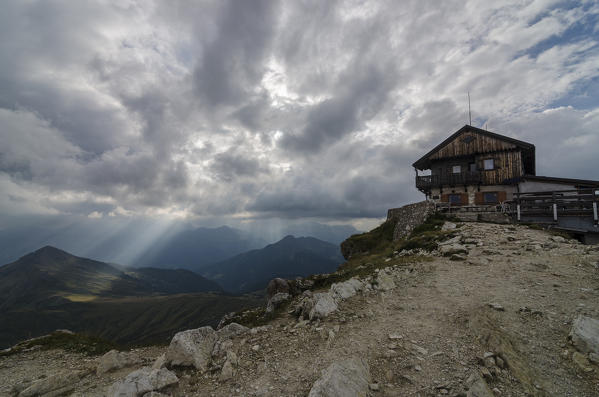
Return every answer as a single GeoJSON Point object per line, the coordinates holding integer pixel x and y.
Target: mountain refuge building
{"type": "Point", "coordinates": [476, 167]}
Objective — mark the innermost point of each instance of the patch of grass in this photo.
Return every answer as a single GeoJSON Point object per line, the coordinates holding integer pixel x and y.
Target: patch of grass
{"type": "Point", "coordinates": [78, 343]}
{"type": "Point", "coordinates": [370, 241]}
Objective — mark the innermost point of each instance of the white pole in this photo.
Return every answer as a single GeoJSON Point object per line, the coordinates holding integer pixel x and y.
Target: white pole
{"type": "Point", "coordinates": [518, 209]}
{"type": "Point", "coordinates": [595, 211]}
{"type": "Point", "coordinates": [554, 212]}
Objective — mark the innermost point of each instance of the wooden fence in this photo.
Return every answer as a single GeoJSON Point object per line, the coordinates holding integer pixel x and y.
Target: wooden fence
{"type": "Point", "coordinates": [556, 204]}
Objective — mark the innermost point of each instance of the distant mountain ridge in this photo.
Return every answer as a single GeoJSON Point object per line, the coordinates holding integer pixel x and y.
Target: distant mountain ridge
{"type": "Point", "coordinates": [288, 258]}
{"type": "Point", "coordinates": [50, 289]}
{"type": "Point", "coordinates": [50, 274]}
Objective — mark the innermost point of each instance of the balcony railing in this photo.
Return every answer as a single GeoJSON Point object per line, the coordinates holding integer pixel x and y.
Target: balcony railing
{"type": "Point", "coordinates": [427, 182]}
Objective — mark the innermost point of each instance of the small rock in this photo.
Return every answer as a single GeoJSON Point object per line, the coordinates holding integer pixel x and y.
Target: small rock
{"type": "Point", "coordinates": [116, 360]}
{"type": "Point", "coordinates": [417, 367]}
{"type": "Point", "coordinates": [496, 306]}
{"type": "Point", "coordinates": [489, 362]}
{"type": "Point", "coordinates": [558, 239]}
{"type": "Point", "coordinates": [142, 381]}
{"type": "Point", "coordinates": [385, 281]}
{"type": "Point", "coordinates": [448, 226]}
{"type": "Point", "coordinates": [500, 362]}
{"type": "Point", "coordinates": [231, 330]}
{"type": "Point", "coordinates": [585, 334]}
{"type": "Point", "coordinates": [477, 387]}
{"type": "Point", "coordinates": [256, 348]}
{"type": "Point", "coordinates": [581, 361]}
{"type": "Point", "coordinates": [160, 362]}
{"type": "Point", "coordinates": [349, 377]}
{"type": "Point", "coordinates": [374, 387]}
{"type": "Point", "coordinates": [395, 336]}
{"type": "Point", "coordinates": [59, 384]}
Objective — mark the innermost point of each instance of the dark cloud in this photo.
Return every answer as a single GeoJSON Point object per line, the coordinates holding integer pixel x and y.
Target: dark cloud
{"type": "Point", "coordinates": [233, 64]}
{"type": "Point", "coordinates": [232, 164]}
{"type": "Point", "coordinates": [257, 109]}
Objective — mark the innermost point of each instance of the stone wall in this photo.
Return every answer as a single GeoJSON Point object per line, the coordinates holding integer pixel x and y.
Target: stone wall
{"type": "Point", "coordinates": [408, 217]}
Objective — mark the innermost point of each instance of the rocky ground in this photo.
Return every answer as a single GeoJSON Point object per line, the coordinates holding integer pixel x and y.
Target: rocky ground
{"type": "Point", "coordinates": [488, 313]}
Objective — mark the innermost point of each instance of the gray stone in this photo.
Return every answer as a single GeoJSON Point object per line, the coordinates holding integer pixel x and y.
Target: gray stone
{"type": "Point", "coordinates": [192, 348]}
{"type": "Point", "coordinates": [345, 378]}
{"type": "Point", "coordinates": [581, 361]}
{"type": "Point", "coordinates": [276, 301]}
{"type": "Point", "coordinates": [448, 226]}
{"type": "Point", "coordinates": [231, 330]}
{"type": "Point", "coordinates": [142, 381]}
{"type": "Point", "coordinates": [477, 387]}
{"type": "Point", "coordinates": [385, 281]}
{"type": "Point", "coordinates": [116, 360]}
{"type": "Point", "coordinates": [496, 306]}
{"type": "Point", "coordinates": [160, 362]}
{"type": "Point", "coordinates": [228, 370]}
{"type": "Point", "coordinates": [452, 248]}
{"type": "Point", "coordinates": [558, 239]}
{"type": "Point", "coordinates": [346, 289]}
{"type": "Point", "coordinates": [61, 383]}
{"type": "Point", "coordinates": [324, 304]}
{"type": "Point", "coordinates": [276, 286]}
{"type": "Point", "coordinates": [585, 334]}
{"type": "Point", "coordinates": [155, 394]}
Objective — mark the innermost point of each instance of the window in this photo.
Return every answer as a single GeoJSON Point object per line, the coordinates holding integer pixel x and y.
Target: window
{"type": "Point", "coordinates": [489, 164]}
{"type": "Point", "coordinates": [472, 167]}
{"type": "Point", "coordinates": [455, 198]}
{"type": "Point", "coordinates": [456, 169]}
{"type": "Point", "coordinates": [490, 198]}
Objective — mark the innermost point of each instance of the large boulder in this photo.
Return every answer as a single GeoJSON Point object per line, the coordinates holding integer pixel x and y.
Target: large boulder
{"type": "Point", "coordinates": [59, 384]}
{"type": "Point", "coordinates": [585, 334]}
{"type": "Point", "coordinates": [276, 286]}
{"type": "Point", "coordinates": [345, 378]}
{"type": "Point", "coordinates": [192, 348]}
{"type": "Point", "coordinates": [116, 360]}
{"type": "Point", "coordinates": [276, 301]}
{"type": "Point", "coordinates": [324, 304]}
{"type": "Point", "coordinates": [142, 381]}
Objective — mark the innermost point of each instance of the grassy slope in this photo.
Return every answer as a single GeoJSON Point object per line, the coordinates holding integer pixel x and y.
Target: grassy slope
{"type": "Point", "coordinates": [127, 321]}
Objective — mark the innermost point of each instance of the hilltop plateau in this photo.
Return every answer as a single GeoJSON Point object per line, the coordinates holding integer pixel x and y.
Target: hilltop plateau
{"type": "Point", "coordinates": [458, 309]}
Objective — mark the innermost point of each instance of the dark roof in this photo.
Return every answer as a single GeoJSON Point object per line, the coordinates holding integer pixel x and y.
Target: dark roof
{"type": "Point", "coordinates": [570, 181]}
{"type": "Point", "coordinates": [422, 163]}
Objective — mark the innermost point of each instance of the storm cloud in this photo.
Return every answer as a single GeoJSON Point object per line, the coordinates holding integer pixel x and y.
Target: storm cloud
{"type": "Point", "coordinates": [266, 109]}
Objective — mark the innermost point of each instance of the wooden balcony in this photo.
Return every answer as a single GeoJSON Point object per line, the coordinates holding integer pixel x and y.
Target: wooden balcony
{"type": "Point", "coordinates": [427, 182]}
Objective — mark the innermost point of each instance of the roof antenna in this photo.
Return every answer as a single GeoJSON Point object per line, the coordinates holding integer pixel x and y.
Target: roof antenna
{"type": "Point", "coordinates": [469, 114]}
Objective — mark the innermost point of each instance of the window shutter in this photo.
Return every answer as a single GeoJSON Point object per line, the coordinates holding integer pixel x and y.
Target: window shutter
{"type": "Point", "coordinates": [464, 198]}
{"type": "Point", "coordinates": [479, 198]}
{"type": "Point", "coordinates": [501, 196]}
{"type": "Point", "coordinates": [445, 198]}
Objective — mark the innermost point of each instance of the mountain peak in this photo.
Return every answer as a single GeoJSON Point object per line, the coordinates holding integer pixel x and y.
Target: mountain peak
{"type": "Point", "coordinates": [50, 249]}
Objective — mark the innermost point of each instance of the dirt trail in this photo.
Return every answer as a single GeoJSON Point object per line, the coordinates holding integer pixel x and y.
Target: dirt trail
{"type": "Point", "coordinates": [515, 295]}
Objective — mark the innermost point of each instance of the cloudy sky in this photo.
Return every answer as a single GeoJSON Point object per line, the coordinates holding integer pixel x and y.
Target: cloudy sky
{"type": "Point", "coordinates": [241, 110]}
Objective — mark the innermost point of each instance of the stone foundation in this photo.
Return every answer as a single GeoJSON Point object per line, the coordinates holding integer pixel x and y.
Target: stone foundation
{"type": "Point", "coordinates": [408, 217]}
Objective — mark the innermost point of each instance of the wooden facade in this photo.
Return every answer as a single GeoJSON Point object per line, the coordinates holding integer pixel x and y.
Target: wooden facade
{"type": "Point", "coordinates": [469, 143]}
{"type": "Point", "coordinates": [472, 158]}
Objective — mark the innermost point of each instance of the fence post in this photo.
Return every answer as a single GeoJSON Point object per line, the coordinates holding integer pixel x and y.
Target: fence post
{"type": "Point", "coordinates": [595, 212]}
{"type": "Point", "coordinates": [518, 210]}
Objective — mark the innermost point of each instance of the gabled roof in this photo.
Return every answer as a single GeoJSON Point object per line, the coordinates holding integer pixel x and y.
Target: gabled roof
{"type": "Point", "coordinates": [422, 163]}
